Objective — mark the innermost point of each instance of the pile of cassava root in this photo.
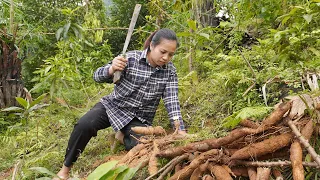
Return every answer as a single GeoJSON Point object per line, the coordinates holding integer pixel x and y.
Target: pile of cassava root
{"type": "Point", "coordinates": [252, 149]}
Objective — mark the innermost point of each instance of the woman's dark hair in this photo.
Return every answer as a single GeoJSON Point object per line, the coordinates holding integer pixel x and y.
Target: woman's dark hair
{"type": "Point", "coordinates": [158, 35]}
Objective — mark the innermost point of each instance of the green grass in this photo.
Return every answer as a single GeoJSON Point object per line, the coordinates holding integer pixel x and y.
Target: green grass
{"type": "Point", "coordinates": [46, 141]}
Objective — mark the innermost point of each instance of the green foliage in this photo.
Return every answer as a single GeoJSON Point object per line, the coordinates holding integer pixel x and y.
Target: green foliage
{"type": "Point", "coordinates": [252, 113]}
{"type": "Point", "coordinates": [68, 20]}
{"type": "Point", "coordinates": [120, 16]}
{"type": "Point", "coordinates": [255, 57]}
{"type": "Point", "coordinates": [43, 171]}
{"type": "Point", "coordinates": [108, 171]}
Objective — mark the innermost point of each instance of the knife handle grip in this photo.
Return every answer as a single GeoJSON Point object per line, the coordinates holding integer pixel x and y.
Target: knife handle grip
{"type": "Point", "coordinates": [117, 74]}
{"type": "Point", "coordinates": [116, 77]}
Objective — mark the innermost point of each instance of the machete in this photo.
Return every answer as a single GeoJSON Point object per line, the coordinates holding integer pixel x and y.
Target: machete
{"type": "Point", "coordinates": [117, 74]}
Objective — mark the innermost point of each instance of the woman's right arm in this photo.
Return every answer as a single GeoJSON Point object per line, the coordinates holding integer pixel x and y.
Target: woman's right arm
{"type": "Point", "coordinates": [105, 73]}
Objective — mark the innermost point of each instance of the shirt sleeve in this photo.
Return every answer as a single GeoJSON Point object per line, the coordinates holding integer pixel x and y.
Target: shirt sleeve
{"type": "Point", "coordinates": [102, 74]}
{"type": "Point", "coordinates": [171, 101]}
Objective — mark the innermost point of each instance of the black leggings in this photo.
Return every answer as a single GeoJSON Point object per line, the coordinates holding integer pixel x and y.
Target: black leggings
{"type": "Point", "coordinates": [88, 126]}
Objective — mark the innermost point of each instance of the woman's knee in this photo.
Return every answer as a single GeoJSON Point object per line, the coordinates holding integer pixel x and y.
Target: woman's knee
{"type": "Point", "coordinates": [85, 126]}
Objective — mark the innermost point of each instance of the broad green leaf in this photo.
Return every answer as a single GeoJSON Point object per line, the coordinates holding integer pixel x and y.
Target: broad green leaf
{"type": "Point", "coordinates": [293, 40]}
{"type": "Point", "coordinates": [75, 30]}
{"type": "Point", "coordinates": [285, 20]}
{"type": "Point", "coordinates": [112, 175]}
{"type": "Point", "coordinates": [192, 24]}
{"type": "Point", "coordinates": [277, 37]}
{"type": "Point", "coordinates": [38, 100]}
{"type": "Point", "coordinates": [58, 33]}
{"type": "Point", "coordinates": [317, 1]}
{"type": "Point", "coordinates": [184, 34]}
{"type": "Point", "coordinates": [101, 170]}
{"type": "Point", "coordinates": [43, 178]}
{"type": "Point", "coordinates": [308, 17]}
{"type": "Point", "coordinates": [78, 27]}
{"type": "Point", "coordinates": [37, 106]}
{"type": "Point", "coordinates": [315, 31]}
{"type": "Point", "coordinates": [66, 29]}
{"type": "Point", "coordinates": [224, 24]}
{"type": "Point", "coordinates": [22, 102]}
{"type": "Point", "coordinates": [88, 43]}
{"type": "Point", "coordinates": [43, 170]}
{"type": "Point", "coordinates": [52, 89]}
{"type": "Point", "coordinates": [47, 69]}
{"type": "Point", "coordinates": [204, 35]}
{"type": "Point", "coordinates": [315, 51]}
{"type": "Point", "coordinates": [13, 109]}
{"type": "Point", "coordinates": [127, 174]}
{"type": "Point", "coordinates": [248, 112]}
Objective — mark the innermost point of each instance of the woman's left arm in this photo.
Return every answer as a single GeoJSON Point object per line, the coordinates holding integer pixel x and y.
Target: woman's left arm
{"type": "Point", "coordinates": [171, 101]}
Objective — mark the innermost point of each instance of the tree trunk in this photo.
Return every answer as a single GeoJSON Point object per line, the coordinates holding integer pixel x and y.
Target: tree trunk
{"type": "Point", "coordinates": [208, 14]}
{"type": "Point", "coordinates": [10, 72]}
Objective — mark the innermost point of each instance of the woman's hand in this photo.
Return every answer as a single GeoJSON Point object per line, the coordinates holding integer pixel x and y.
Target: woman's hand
{"type": "Point", "coordinates": [184, 134]}
{"type": "Point", "coordinates": [118, 64]}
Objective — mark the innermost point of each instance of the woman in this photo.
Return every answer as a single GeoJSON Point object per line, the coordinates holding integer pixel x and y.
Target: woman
{"type": "Point", "coordinates": [147, 76]}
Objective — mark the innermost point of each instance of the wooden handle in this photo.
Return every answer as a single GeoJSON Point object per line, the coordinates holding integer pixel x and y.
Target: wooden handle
{"type": "Point", "coordinates": [117, 74]}
{"type": "Point", "coordinates": [116, 77]}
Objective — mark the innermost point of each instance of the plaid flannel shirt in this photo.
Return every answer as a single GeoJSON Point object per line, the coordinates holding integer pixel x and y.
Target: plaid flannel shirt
{"type": "Point", "coordinates": [139, 91]}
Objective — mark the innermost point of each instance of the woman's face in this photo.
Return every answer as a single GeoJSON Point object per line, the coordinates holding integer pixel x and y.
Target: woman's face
{"type": "Point", "coordinates": [162, 53]}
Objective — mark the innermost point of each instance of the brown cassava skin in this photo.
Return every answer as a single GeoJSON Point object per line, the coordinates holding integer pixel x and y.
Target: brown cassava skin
{"type": "Point", "coordinates": [213, 143]}
{"type": "Point", "coordinates": [296, 160]}
{"type": "Point", "coordinates": [158, 130]}
{"type": "Point", "coordinates": [307, 130]}
{"type": "Point", "coordinates": [186, 172]}
{"type": "Point", "coordinates": [277, 174]}
{"type": "Point", "coordinates": [198, 172]}
{"type": "Point", "coordinates": [277, 114]}
{"type": "Point", "coordinates": [140, 162]}
{"type": "Point", "coordinates": [248, 123]}
{"type": "Point", "coordinates": [177, 167]}
{"type": "Point", "coordinates": [261, 148]}
{"type": "Point", "coordinates": [263, 173]}
{"type": "Point", "coordinates": [281, 153]}
{"type": "Point", "coordinates": [219, 172]}
{"type": "Point", "coordinates": [238, 144]}
{"type": "Point", "coordinates": [239, 171]}
{"type": "Point", "coordinates": [132, 152]}
{"type": "Point", "coordinates": [153, 161]}
{"type": "Point", "coordinates": [207, 177]}
{"type": "Point", "coordinates": [205, 145]}
{"type": "Point", "coordinates": [252, 173]}
{"type": "Point", "coordinates": [296, 152]}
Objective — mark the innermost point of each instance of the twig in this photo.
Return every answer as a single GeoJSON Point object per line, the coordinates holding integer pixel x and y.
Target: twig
{"type": "Point", "coordinates": [305, 142]}
{"type": "Point", "coordinates": [167, 14]}
{"type": "Point", "coordinates": [249, 88]}
{"type": "Point", "coordinates": [15, 170]}
{"type": "Point", "coordinates": [173, 162]}
{"type": "Point", "coordinates": [253, 73]}
{"type": "Point", "coordinates": [274, 163]}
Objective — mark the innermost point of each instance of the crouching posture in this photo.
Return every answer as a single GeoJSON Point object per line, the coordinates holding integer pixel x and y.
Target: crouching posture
{"type": "Point", "coordinates": [147, 76]}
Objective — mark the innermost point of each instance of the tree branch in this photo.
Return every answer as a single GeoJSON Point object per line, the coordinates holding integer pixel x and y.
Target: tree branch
{"type": "Point", "coordinates": [273, 163]}
{"type": "Point", "coordinates": [172, 163]}
{"type": "Point", "coordinates": [305, 142]}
